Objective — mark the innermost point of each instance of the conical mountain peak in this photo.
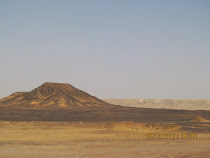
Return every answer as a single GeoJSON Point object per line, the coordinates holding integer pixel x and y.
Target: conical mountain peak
{"type": "Point", "coordinates": [53, 94]}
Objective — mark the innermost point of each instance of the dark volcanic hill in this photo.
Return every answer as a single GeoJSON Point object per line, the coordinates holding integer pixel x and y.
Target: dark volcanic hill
{"type": "Point", "coordinates": [63, 102]}
{"type": "Point", "coordinates": [53, 95]}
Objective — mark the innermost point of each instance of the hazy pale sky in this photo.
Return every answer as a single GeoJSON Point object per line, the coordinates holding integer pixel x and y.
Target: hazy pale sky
{"type": "Point", "coordinates": [108, 48]}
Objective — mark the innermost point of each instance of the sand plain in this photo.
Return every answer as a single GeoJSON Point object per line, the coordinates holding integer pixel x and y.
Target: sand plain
{"type": "Point", "coordinates": [125, 139]}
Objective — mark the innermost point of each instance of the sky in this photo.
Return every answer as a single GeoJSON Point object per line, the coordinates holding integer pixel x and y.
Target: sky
{"type": "Point", "coordinates": [109, 48]}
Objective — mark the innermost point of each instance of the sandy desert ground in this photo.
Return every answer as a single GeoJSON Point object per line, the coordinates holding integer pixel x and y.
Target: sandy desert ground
{"type": "Point", "coordinates": [42, 139]}
{"type": "Point", "coordinates": [60, 121]}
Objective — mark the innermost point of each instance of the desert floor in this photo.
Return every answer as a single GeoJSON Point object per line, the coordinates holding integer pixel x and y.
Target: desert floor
{"type": "Point", "coordinates": [41, 139]}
